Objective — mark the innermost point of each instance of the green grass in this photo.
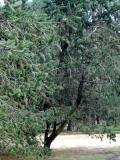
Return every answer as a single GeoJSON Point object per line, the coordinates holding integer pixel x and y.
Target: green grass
{"type": "Point", "coordinates": [99, 157]}
{"type": "Point", "coordinates": [90, 158]}
{"type": "Point", "coordinates": [116, 129]}
{"type": "Point", "coordinates": [85, 154]}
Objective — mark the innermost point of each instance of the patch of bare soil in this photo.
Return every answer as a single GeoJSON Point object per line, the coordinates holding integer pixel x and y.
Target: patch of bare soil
{"type": "Point", "coordinates": [83, 141]}
{"type": "Point", "coordinates": [8, 157]}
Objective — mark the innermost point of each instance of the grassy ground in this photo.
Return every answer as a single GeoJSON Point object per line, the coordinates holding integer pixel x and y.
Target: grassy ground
{"type": "Point", "coordinates": [90, 158]}
{"type": "Point", "coordinates": [77, 154]}
{"type": "Point", "coordinates": [85, 154]}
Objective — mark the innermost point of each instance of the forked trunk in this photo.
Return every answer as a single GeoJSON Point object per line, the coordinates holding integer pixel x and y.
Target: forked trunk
{"type": "Point", "coordinates": [48, 141]}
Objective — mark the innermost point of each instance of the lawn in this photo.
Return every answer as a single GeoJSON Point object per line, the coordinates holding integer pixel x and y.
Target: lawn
{"type": "Point", "coordinates": [84, 158]}
{"type": "Point", "coordinates": [85, 154]}
{"type": "Point", "coordinates": [89, 158]}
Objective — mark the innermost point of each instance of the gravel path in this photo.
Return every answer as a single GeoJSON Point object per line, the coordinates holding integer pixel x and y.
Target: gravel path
{"type": "Point", "coordinates": [83, 141]}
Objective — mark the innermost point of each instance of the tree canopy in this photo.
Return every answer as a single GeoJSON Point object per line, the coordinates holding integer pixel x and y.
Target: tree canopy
{"type": "Point", "coordinates": [59, 61]}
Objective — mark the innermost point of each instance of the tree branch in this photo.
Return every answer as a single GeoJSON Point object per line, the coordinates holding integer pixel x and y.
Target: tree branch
{"type": "Point", "coordinates": [47, 130]}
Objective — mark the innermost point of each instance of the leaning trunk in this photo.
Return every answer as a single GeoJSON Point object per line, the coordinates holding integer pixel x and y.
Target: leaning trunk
{"type": "Point", "coordinates": [48, 139]}
{"type": "Point", "coordinates": [47, 143]}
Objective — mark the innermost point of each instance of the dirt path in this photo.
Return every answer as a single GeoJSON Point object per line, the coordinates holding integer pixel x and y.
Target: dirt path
{"type": "Point", "coordinates": [83, 141]}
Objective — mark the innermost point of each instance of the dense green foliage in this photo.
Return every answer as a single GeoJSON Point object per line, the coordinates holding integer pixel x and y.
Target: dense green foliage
{"type": "Point", "coordinates": [17, 133]}
{"type": "Point", "coordinates": [27, 64]}
{"type": "Point", "coordinates": [59, 63]}
{"type": "Point", "coordinates": [89, 42]}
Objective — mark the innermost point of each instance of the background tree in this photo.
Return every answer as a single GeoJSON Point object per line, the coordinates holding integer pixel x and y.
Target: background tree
{"type": "Point", "coordinates": [87, 67]}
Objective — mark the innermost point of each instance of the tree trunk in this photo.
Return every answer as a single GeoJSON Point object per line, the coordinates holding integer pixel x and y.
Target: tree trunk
{"type": "Point", "coordinates": [48, 139]}
{"type": "Point", "coordinates": [47, 143]}
{"type": "Point", "coordinates": [69, 127]}
{"type": "Point", "coordinates": [58, 128]}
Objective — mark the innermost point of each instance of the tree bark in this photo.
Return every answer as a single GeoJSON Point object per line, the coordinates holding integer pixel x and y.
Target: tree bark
{"type": "Point", "coordinates": [48, 139]}
{"type": "Point", "coordinates": [69, 127]}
